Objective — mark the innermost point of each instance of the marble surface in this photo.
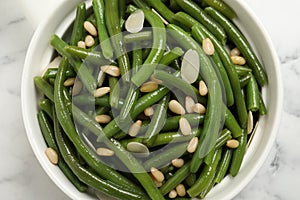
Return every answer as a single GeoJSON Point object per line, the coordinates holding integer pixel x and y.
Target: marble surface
{"type": "Point", "coordinates": [21, 176]}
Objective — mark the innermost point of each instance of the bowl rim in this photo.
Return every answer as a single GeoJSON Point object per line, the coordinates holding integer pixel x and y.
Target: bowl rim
{"type": "Point", "coordinates": [52, 173]}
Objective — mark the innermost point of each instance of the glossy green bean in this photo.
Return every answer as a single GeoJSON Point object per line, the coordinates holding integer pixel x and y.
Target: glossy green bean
{"type": "Point", "coordinates": [194, 10]}
{"type": "Point", "coordinates": [51, 73]}
{"type": "Point", "coordinates": [99, 11]}
{"type": "Point", "coordinates": [238, 154]}
{"type": "Point", "coordinates": [162, 9]}
{"type": "Point", "coordinates": [44, 87]}
{"type": "Point", "coordinates": [46, 105]}
{"type": "Point", "coordinates": [222, 7]}
{"type": "Point", "coordinates": [239, 101]}
{"type": "Point", "coordinates": [157, 49]}
{"type": "Point", "coordinates": [242, 44]}
{"type": "Point", "coordinates": [206, 175]}
{"type": "Point", "coordinates": [78, 30]}
{"type": "Point", "coordinates": [252, 95]}
{"type": "Point", "coordinates": [223, 165]}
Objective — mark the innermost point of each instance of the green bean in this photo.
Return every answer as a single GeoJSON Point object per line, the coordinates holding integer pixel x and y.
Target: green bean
{"type": "Point", "coordinates": [46, 105]}
{"type": "Point", "coordinates": [242, 44]}
{"type": "Point", "coordinates": [200, 36]}
{"type": "Point", "coordinates": [165, 155]}
{"type": "Point", "coordinates": [142, 103]}
{"type": "Point", "coordinates": [262, 107]}
{"type": "Point", "coordinates": [82, 100]}
{"type": "Point", "coordinates": [238, 154]}
{"type": "Point", "coordinates": [222, 7]}
{"type": "Point", "coordinates": [51, 73]}
{"type": "Point", "coordinates": [80, 68]}
{"type": "Point", "coordinates": [78, 30]}
{"type": "Point", "coordinates": [232, 124]}
{"type": "Point", "coordinates": [138, 37]}
{"type": "Point", "coordinates": [242, 70]}
{"type": "Point", "coordinates": [114, 95]}
{"type": "Point", "coordinates": [66, 122]}
{"type": "Point", "coordinates": [157, 121]}
{"type": "Point", "coordinates": [252, 95]}
{"type": "Point", "coordinates": [113, 26]}
{"type": "Point", "coordinates": [209, 186]}
{"type": "Point", "coordinates": [87, 175]}
{"type": "Point", "coordinates": [169, 57]}
{"type": "Point", "coordinates": [157, 50]}
{"type": "Point", "coordinates": [206, 175]}
{"type": "Point", "coordinates": [44, 87]}
{"type": "Point", "coordinates": [223, 165]}
{"type": "Point", "coordinates": [133, 91]}
{"type": "Point", "coordinates": [225, 135]}
{"type": "Point", "coordinates": [174, 6]}
{"type": "Point", "coordinates": [48, 133]}
{"type": "Point", "coordinates": [141, 4]}
{"type": "Point", "coordinates": [164, 138]}
{"type": "Point", "coordinates": [99, 11]}
{"type": "Point", "coordinates": [176, 179]}
{"type": "Point", "coordinates": [194, 10]}
{"type": "Point", "coordinates": [93, 56]}
{"type": "Point", "coordinates": [215, 111]}
{"type": "Point", "coordinates": [232, 75]}
{"type": "Point", "coordinates": [172, 81]}
{"type": "Point", "coordinates": [244, 80]}
{"type": "Point", "coordinates": [162, 9]}
{"type": "Point", "coordinates": [137, 169]}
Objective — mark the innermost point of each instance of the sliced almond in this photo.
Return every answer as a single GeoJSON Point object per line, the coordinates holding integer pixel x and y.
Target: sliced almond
{"type": "Point", "coordinates": [135, 22]}
{"type": "Point", "coordinates": [152, 78]}
{"type": "Point", "coordinates": [180, 189]}
{"type": "Point", "coordinates": [250, 122]}
{"type": "Point", "coordinates": [136, 147]}
{"type": "Point", "coordinates": [149, 86]}
{"type": "Point", "coordinates": [184, 126]}
{"type": "Point", "coordinates": [81, 44]}
{"type": "Point", "coordinates": [52, 155]}
{"type": "Point", "coordinates": [190, 66]}
{"type": "Point", "coordinates": [238, 60]}
{"type": "Point", "coordinates": [232, 143]}
{"type": "Point", "coordinates": [189, 103]}
{"type": "Point", "coordinates": [135, 128]}
{"type": "Point", "coordinates": [199, 108]}
{"type": "Point", "coordinates": [69, 82]}
{"type": "Point", "coordinates": [100, 78]}
{"type": "Point", "coordinates": [105, 152]}
{"type": "Point", "coordinates": [235, 52]}
{"type": "Point", "coordinates": [149, 111]}
{"type": "Point", "coordinates": [203, 89]}
{"type": "Point", "coordinates": [208, 47]}
{"type": "Point", "coordinates": [192, 146]}
{"type": "Point", "coordinates": [158, 175]}
{"type": "Point", "coordinates": [77, 87]}
{"type": "Point", "coordinates": [103, 119]}
{"type": "Point", "coordinates": [89, 41]}
{"type": "Point", "coordinates": [101, 91]}
{"type": "Point", "coordinates": [89, 27]}
{"type": "Point", "coordinates": [176, 107]}
{"type": "Point", "coordinates": [111, 70]}
{"type": "Point", "coordinates": [178, 162]}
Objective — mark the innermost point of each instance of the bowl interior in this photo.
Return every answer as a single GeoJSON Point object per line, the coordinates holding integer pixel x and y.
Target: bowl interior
{"type": "Point", "coordinates": [40, 53]}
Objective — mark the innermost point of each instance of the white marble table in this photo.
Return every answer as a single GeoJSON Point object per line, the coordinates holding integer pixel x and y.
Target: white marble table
{"type": "Point", "coordinates": [21, 176]}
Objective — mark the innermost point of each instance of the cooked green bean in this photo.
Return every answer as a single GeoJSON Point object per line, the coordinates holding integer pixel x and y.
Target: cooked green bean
{"type": "Point", "coordinates": [47, 106]}
{"type": "Point", "coordinates": [244, 80]}
{"type": "Point", "coordinates": [78, 30]}
{"type": "Point", "coordinates": [157, 50]}
{"type": "Point", "coordinates": [162, 9]}
{"type": "Point", "coordinates": [51, 73]}
{"type": "Point", "coordinates": [242, 44]}
{"type": "Point", "coordinates": [222, 7]}
{"type": "Point", "coordinates": [44, 87]}
{"type": "Point", "coordinates": [223, 165]}
{"type": "Point", "coordinates": [113, 26]}
{"type": "Point", "coordinates": [194, 10]}
{"type": "Point", "coordinates": [99, 11]}
{"type": "Point", "coordinates": [138, 37]}
{"type": "Point", "coordinates": [252, 95]}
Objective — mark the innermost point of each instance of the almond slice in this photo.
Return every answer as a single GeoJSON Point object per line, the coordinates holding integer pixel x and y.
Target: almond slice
{"type": "Point", "coordinates": [135, 22]}
{"type": "Point", "coordinates": [190, 66]}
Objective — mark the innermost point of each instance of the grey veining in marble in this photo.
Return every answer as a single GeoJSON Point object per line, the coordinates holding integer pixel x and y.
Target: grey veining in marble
{"type": "Point", "coordinates": [22, 178]}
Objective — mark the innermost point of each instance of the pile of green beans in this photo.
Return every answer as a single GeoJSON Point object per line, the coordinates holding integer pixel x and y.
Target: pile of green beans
{"type": "Point", "coordinates": [93, 133]}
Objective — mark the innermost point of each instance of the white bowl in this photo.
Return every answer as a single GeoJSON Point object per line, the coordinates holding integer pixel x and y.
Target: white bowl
{"type": "Point", "coordinates": [39, 54]}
